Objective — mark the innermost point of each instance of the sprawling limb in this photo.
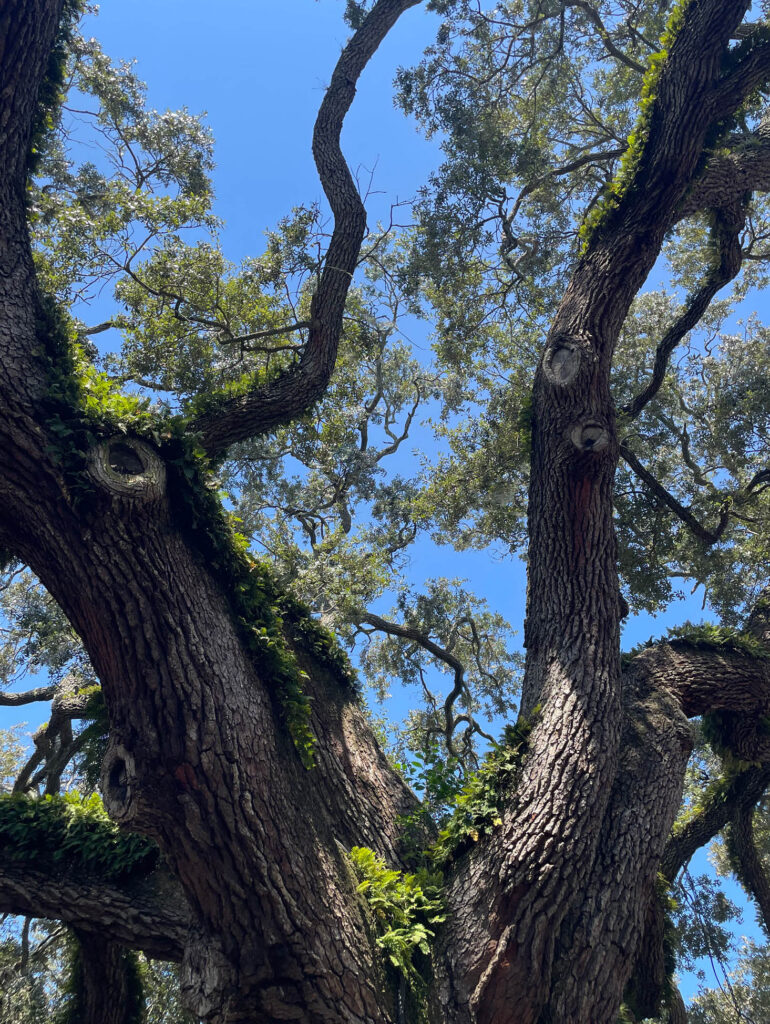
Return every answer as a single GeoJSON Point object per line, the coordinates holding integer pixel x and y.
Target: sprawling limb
{"type": "Point", "coordinates": [145, 913]}
{"type": "Point", "coordinates": [510, 901]}
{"type": "Point", "coordinates": [666, 498]}
{"type": "Point", "coordinates": [718, 808]}
{"type": "Point", "coordinates": [200, 755]}
{"type": "Point", "coordinates": [298, 388]}
{"type": "Point", "coordinates": [746, 859]}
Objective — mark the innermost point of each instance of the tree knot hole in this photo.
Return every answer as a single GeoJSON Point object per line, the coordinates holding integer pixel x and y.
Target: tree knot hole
{"type": "Point", "coordinates": [590, 436]}
{"type": "Point", "coordinates": [128, 468]}
{"type": "Point", "coordinates": [118, 781]}
{"type": "Point", "coordinates": [117, 777]}
{"type": "Point", "coordinates": [561, 361]}
{"type": "Point", "coordinates": [125, 459]}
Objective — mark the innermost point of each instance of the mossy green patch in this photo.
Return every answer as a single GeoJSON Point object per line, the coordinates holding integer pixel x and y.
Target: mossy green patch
{"type": "Point", "coordinates": [83, 407]}
{"type": "Point", "coordinates": [70, 832]}
{"type": "Point", "coordinates": [601, 216]}
{"type": "Point", "coordinates": [407, 909]}
{"type": "Point", "coordinates": [706, 635]}
{"type": "Point", "coordinates": [51, 91]}
{"type": "Point", "coordinates": [478, 807]}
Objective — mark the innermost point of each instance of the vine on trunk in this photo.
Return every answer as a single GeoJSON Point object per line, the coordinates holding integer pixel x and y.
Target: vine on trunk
{"type": "Point", "coordinates": [83, 408]}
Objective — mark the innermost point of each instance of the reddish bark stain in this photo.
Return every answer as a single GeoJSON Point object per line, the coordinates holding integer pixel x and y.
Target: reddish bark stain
{"type": "Point", "coordinates": [185, 775]}
{"type": "Point", "coordinates": [581, 501]}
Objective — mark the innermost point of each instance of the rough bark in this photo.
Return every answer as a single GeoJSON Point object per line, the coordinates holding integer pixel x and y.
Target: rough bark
{"type": "Point", "coordinates": [106, 982]}
{"type": "Point", "coordinates": [512, 903]}
{"type": "Point", "coordinates": [748, 861]}
{"type": "Point", "coordinates": [149, 914]}
{"type": "Point", "coordinates": [546, 913]}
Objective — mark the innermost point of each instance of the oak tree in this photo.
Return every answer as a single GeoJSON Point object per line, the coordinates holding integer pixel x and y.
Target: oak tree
{"type": "Point", "coordinates": [264, 840]}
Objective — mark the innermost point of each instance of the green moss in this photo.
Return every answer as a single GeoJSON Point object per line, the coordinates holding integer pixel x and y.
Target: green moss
{"type": "Point", "coordinates": [478, 807]}
{"type": "Point", "coordinates": [84, 407]}
{"type": "Point", "coordinates": [69, 832]}
{"type": "Point", "coordinates": [51, 91]}
{"type": "Point", "coordinates": [213, 402]}
{"type": "Point", "coordinates": [601, 216]}
{"type": "Point", "coordinates": [406, 909]}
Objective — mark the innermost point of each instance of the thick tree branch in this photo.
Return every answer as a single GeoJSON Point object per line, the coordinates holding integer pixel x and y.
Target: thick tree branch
{"type": "Point", "coordinates": [706, 677]}
{"type": "Point", "coordinates": [15, 700]}
{"type": "Point", "coordinates": [149, 914]}
{"type": "Point", "coordinates": [747, 860]}
{"type": "Point", "coordinates": [627, 239]}
{"type": "Point", "coordinates": [742, 165]}
{"type": "Point", "coordinates": [717, 811]}
{"type": "Point", "coordinates": [750, 68]}
{"type": "Point", "coordinates": [27, 32]}
{"type": "Point", "coordinates": [299, 387]}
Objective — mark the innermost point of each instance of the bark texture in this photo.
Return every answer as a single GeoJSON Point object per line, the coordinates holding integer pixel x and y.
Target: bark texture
{"type": "Point", "coordinates": [108, 989]}
{"type": "Point", "coordinates": [547, 913]}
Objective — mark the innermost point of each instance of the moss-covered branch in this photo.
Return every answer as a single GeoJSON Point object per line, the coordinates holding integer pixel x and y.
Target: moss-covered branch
{"type": "Point", "coordinates": [712, 813]}
{"type": "Point", "coordinates": [63, 859]}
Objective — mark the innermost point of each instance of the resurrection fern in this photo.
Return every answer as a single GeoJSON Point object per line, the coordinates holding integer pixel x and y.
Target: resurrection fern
{"type": "Point", "coordinates": [407, 909]}
{"type": "Point", "coordinates": [705, 636]}
{"type": "Point", "coordinates": [708, 635]}
{"type": "Point", "coordinates": [478, 807]}
{"type": "Point", "coordinates": [54, 832]}
{"type": "Point", "coordinates": [50, 95]}
{"type": "Point", "coordinates": [601, 215]}
{"type": "Point", "coordinates": [84, 407]}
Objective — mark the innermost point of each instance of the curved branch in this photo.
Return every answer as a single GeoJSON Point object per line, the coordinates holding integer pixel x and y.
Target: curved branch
{"type": "Point", "coordinates": [295, 390]}
{"type": "Point", "coordinates": [725, 234]}
{"type": "Point", "coordinates": [442, 654]}
{"type": "Point", "coordinates": [606, 38]}
{"type": "Point", "coordinates": [746, 859]}
{"type": "Point", "coordinates": [750, 68]}
{"type": "Point", "coordinates": [668, 499]}
{"type": "Point", "coordinates": [149, 914]}
{"type": "Point", "coordinates": [717, 810]}
{"type": "Point", "coordinates": [705, 677]}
